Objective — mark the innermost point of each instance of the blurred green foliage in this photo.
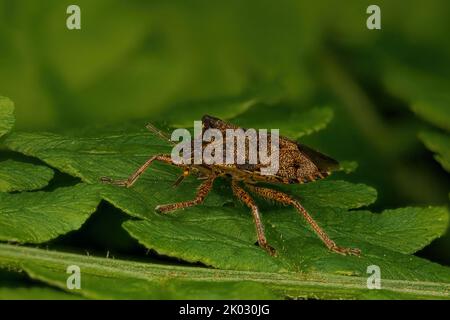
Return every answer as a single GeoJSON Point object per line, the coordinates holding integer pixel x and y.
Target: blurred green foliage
{"type": "Point", "coordinates": [138, 59]}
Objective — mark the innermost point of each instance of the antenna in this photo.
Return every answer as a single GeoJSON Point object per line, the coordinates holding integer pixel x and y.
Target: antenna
{"type": "Point", "coordinates": [150, 127]}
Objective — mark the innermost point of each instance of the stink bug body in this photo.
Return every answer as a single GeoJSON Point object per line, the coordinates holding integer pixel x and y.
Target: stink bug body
{"type": "Point", "coordinates": [297, 164]}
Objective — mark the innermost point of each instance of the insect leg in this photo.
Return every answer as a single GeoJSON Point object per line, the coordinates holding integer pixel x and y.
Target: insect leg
{"type": "Point", "coordinates": [242, 195]}
{"type": "Point", "coordinates": [286, 199]}
{"type": "Point", "coordinates": [133, 178]}
{"type": "Point", "coordinates": [203, 191]}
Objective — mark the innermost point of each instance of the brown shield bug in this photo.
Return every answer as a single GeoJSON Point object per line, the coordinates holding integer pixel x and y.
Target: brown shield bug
{"type": "Point", "coordinates": [297, 164]}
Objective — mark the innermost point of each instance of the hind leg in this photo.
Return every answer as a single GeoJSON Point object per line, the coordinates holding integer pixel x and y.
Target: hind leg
{"type": "Point", "coordinates": [242, 195]}
{"type": "Point", "coordinates": [286, 199]}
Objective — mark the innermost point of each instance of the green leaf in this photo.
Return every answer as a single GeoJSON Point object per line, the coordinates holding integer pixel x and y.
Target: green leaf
{"type": "Point", "coordinates": [224, 239]}
{"type": "Point", "coordinates": [218, 237]}
{"type": "Point", "coordinates": [6, 115]}
{"type": "Point", "coordinates": [224, 236]}
{"type": "Point", "coordinates": [37, 217]}
{"type": "Point", "coordinates": [82, 156]}
{"type": "Point", "coordinates": [440, 144]}
{"type": "Point", "coordinates": [434, 110]}
{"type": "Point", "coordinates": [118, 279]}
{"type": "Point", "coordinates": [404, 230]}
{"type": "Point", "coordinates": [348, 166]}
{"type": "Point", "coordinates": [19, 176]}
{"type": "Point", "coordinates": [334, 194]}
{"type": "Point", "coordinates": [424, 90]}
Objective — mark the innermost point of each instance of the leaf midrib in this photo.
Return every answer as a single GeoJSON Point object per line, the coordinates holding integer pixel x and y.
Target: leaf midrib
{"type": "Point", "coordinates": [14, 256]}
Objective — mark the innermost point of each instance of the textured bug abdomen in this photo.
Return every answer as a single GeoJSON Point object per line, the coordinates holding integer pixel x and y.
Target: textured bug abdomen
{"type": "Point", "coordinates": [297, 163]}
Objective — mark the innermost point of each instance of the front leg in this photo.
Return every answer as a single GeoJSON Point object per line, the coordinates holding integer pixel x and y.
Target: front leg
{"type": "Point", "coordinates": [203, 191]}
{"type": "Point", "coordinates": [135, 176]}
{"type": "Point", "coordinates": [242, 195]}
